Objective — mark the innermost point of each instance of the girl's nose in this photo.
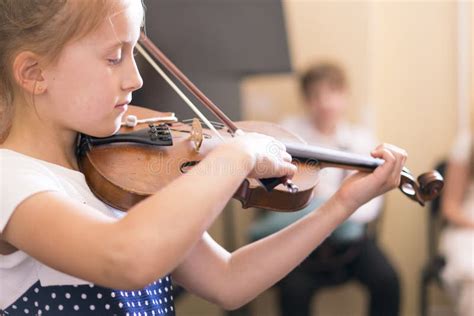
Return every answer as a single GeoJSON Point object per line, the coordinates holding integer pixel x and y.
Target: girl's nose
{"type": "Point", "coordinates": [132, 81]}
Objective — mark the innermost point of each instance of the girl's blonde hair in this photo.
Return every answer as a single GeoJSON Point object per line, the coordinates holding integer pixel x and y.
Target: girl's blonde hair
{"type": "Point", "coordinates": [43, 27]}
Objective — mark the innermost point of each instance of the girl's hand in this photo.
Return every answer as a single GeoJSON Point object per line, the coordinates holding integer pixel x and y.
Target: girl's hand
{"type": "Point", "coordinates": [361, 187]}
{"type": "Point", "coordinates": [269, 158]}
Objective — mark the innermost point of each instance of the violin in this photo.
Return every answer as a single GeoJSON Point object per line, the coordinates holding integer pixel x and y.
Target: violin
{"type": "Point", "coordinates": [153, 148]}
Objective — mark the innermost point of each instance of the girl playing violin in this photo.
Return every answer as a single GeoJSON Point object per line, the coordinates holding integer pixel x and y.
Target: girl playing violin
{"type": "Point", "coordinates": [67, 67]}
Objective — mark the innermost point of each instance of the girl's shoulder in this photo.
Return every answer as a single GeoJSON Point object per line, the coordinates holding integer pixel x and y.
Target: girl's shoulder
{"type": "Point", "coordinates": [17, 168]}
{"type": "Point", "coordinates": [21, 178]}
{"type": "Point", "coordinates": [9, 157]}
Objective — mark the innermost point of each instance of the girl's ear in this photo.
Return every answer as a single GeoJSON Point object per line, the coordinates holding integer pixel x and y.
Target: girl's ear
{"type": "Point", "coordinates": [28, 73]}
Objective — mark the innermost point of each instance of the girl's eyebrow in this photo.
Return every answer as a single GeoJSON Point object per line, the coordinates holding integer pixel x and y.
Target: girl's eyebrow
{"type": "Point", "coordinates": [116, 45]}
{"type": "Point", "coordinates": [119, 44]}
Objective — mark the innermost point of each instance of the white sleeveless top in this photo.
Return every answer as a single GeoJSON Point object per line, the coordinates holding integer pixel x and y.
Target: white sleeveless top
{"type": "Point", "coordinates": [21, 177]}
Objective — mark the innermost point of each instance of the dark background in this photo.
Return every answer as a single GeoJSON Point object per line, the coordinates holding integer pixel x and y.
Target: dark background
{"type": "Point", "coordinates": [215, 43]}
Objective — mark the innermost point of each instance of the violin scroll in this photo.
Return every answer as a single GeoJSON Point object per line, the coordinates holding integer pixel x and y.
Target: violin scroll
{"type": "Point", "coordinates": [427, 187]}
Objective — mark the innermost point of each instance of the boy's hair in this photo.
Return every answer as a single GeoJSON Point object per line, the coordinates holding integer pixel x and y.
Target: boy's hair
{"type": "Point", "coordinates": [43, 27]}
{"type": "Point", "coordinates": [326, 72]}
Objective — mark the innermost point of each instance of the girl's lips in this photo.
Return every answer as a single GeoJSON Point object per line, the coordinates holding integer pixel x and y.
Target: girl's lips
{"type": "Point", "coordinates": [122, 104]}
{"type": "Point", "coordinates": [122, 107]}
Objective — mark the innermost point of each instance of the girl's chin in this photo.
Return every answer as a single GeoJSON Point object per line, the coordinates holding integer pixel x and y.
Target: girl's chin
{"type": "Point", "coordinates": [107, 128]}
{"type": "Point", "coordinates": [105, 132]}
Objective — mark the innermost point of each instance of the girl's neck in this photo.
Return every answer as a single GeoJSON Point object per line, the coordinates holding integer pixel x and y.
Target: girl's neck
{"type": "Point", "coordinates": [38, 139]}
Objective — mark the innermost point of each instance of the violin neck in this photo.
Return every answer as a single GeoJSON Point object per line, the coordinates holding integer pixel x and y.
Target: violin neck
{"type": "Point", "coordinates": [325, 157]}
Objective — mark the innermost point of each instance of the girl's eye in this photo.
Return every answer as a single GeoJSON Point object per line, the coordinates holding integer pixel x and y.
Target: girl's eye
{"type": "Point", "coordinates": [114, 61]}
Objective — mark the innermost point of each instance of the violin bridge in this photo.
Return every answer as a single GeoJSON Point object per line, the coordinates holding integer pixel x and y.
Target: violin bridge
{"type": "Point", "coordinates": [196, 134]}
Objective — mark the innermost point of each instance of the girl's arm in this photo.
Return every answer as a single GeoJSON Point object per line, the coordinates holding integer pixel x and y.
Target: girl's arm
{"type": "Point", "coordinates": [457, 181]}
{"type": "Point", "coordinates": [154, 237]}
{"type": "Point", "coordinates": [231, 280]}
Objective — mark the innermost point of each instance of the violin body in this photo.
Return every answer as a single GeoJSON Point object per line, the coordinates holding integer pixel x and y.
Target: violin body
{"type": "Point", "coordinates": [123, 174]}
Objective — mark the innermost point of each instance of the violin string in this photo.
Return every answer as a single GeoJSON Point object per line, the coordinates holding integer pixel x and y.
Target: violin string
{"type": "Point", "coordinates": [177, 90]}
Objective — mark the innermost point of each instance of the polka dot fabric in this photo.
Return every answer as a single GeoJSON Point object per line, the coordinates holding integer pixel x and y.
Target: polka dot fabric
{"type": "Point", "coordinates": [155, 299]}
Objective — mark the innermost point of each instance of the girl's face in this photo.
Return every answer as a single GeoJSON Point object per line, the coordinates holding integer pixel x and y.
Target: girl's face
{"type": "Point", "coordinates": [88, 89]}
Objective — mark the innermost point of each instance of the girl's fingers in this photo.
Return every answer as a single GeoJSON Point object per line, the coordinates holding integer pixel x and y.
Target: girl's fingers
{"type": "Point", "coordinates": [395, 159]}
{"type": "Point", "coordinates": [384, 154]}
{"type": "Point", "coordinates": [402, 159]}
{"type": "Point", "coordinates": [286, 156]}
{"type": "Point", "coordinates": [396, 171]}
{"type": "Point", "coordinates": [288, 169]}
{"type": "Point", "coordinates": [385, 172]}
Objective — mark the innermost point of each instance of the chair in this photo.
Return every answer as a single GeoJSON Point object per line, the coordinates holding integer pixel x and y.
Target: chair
{"type": "Point", "coordinates": [432, 269]}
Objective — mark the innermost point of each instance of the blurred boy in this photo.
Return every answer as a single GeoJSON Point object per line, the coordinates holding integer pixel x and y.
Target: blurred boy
{"type": "Point", "coordinates": [348, 254]}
